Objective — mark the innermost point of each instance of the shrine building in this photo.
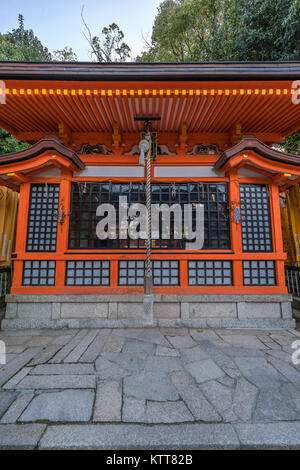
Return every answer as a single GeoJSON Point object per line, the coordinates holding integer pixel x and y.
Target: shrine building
{"type": "Point", "coordinates": [214, 130]}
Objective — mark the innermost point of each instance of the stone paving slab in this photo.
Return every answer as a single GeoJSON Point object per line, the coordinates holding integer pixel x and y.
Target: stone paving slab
{"type": "Point", "coordinates": [260, 372]}
{"type": "Point", "coordinates": [20, 436]}
{"type": "Point", "coordinates": [6, 398]}
{"type": "Point", "coordinates": [134, 410]}
{"type": "Point", "coordinates": [45, 354]}
{"type": "Point", "coordinates": [11, 384]}
{"type": "Point", "coordinates": [63, 352]}
{"type": "Point", "coordinates": [56, 381]}
{"type": "Point", "coordinates": [81, 347]}
{"type": "Point", "coordinates": [170, 412]}
{"type": "Point", "coordinates": [7, 371]}
{"type": "Point", "coordinates": [273, 406]}
{"type": "Point", "coordinates": [130, 362]}
{"type": "Point", "coordinates": [204, 370]}
{"type": "Point", "coordinates": [194, 398]}
{"type": "Point", "coordinates": [64, 406]}
{"type": "Point", "coordinates": [17, 408]}
{"type": "Point", "coordinates": [149, 377]}
{"type": "Point", "coordinates": [62, 369]}
{"type": "Point", "coordinates": [150, 386]}
{"type": "Point", "coordinates": [269, 435]}
{"type": "Point", "coordinates": [163, 351]}
{"type": "Point", "coordinates": [108, 401]}
{"type": "Point", "coordinates": [139, 348]}
{"type": "Point", "coordinates": [95, 348]}
{"type": "Point", "coordinates": [132, 436]}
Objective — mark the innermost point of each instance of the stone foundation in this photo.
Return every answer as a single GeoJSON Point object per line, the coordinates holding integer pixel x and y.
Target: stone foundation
{"type": "Point", "coordinates": [110, 311]}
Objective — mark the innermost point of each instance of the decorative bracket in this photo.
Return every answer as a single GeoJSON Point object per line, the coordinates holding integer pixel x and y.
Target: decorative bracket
{"type": "Point", "coordinates": [235, 133]}
{"type": "Point", "coordinates": [183, 137]}
{"type": "Point", "coordinates": [64, 133]}
{"type": "Point", "coordinates": [116, 136]}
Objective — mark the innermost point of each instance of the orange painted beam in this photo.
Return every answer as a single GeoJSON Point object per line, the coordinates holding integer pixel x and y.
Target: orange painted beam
{"type": "Point", "coordinates": [20, 177]}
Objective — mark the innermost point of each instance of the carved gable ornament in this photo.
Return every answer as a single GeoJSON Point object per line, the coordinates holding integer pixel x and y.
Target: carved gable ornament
{"type": "Point", "coordinates": [201, 149]}
{"type": "Point", "coordinates": [88, 149]}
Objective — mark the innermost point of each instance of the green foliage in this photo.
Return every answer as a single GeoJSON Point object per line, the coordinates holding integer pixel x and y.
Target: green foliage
{"type": "Point", "coordinates": [292, 143]}
{"type": "Point", "coordinates": [8, 143]}
{"type": "Point", "coordinates": [7, 49]}
{"type": "Point", "coordinates": [269, 30]}
{"type": "Point", "coordinates": [22, 44]}
{"type": "Point", "coordinates": [227, 30]}
{"type": "Point", "coordinates": [65, 55]}
{"type": "Point", "coordinates": [110, 47]}
{"type": "Point", "coordinates": [211, 30]}
{"type": "Point", "coordinates": [19, 44]}
{"type": "Point", "coordinates": [193, 30]}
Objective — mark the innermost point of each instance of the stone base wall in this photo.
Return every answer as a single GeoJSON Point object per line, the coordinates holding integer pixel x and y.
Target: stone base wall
{"type": "Point", "coordinates": [103, 311]}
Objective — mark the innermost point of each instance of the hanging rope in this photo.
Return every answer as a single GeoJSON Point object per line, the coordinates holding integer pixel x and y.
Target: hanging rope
{"type": "Point", "coordinates": [173, 191]}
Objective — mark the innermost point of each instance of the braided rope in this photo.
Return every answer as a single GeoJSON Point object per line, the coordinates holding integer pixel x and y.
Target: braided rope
{"type": "Point", "coordinates": [148, 206]}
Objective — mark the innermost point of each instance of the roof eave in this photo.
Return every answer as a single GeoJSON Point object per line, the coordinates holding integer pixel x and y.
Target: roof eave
{"type": "Point", "coordinates": [91, 71]}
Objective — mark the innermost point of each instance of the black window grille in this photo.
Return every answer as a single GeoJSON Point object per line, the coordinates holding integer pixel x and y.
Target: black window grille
{"type": "Point", "coordinates": [210, 273]}
{"type": "Point", "coordinates": [87, 196]}
{"type": "Point", "coordinates": [255, 218]}
{"type": "Point", "coordinates": [87, 273]}
{"type": "Point", "coordinates": [259, 273]}
{"type": "Point", "coordinates": [42, 217]}
{"type": "Point", "coordinates": [165, 273]}
{"type": "Point", "coordinates": [39, 273]}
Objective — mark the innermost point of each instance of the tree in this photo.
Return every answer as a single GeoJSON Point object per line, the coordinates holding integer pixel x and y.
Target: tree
{"type": "Point", "coordinates": [193, 30]}
{"type": "Point", "coordinates": [110, 47]}
{"type": "Point", "coordinates": [269, 30]}
{"type": "Point", "coordinates": [208, 30]}
{"type": "Point", "coordinates": [19, 44]}
{"type": "Point", "coordinates": [65, 55]}
{"type": "Point", "coordinates": [22, 44]}
{"type": "Point", "coordinates": [8, 143]}
{"type": "Point", "coordinates": [230, 30]}
{"type": "Point", "coordinates": [7, 49]}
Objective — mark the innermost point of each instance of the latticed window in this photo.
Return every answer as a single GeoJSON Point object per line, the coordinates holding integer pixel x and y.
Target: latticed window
{"type": "Point", "coordinates": [210, 273]}
{"type": "Point", "coordinates": [255, 218]}
{"type": "Point", "coordinates": [87, 273]}
{"type": "Point", "coordinates": [39, 273]}
{"type": "Point", "coordinates": [259, 273]}
{"type": "Point", "coordinates": [164, 272]}
{"type": "Point", "coordinates": [42, 217]}
{"type": "Point", "coordinates": [86, 197]}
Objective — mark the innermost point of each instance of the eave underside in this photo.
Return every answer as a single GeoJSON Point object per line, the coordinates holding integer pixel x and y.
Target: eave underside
{"type": "Point", "coordinates": [209, 109]}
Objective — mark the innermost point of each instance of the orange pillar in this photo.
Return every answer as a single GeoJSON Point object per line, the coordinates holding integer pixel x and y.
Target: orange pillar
{"type": "Point", "coordinates": [62, 227]}
{"type": "Point", "coordinates": [183, 273]}
{"type": "Point", "coordinates": [277, 233]}
{"type": "Point", "coordinates": [114, 273]}
{"type": "Point", "coordinates": [235, 228]}
{"type": "Point", "coordinates": [21, 234]}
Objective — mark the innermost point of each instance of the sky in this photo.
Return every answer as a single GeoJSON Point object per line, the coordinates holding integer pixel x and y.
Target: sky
{"type": "Point", "coordinates": [57, 23]}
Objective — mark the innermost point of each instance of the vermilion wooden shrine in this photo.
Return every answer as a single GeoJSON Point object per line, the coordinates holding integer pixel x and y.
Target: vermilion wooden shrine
{"type": "Point", "coordinates": [214, 146]}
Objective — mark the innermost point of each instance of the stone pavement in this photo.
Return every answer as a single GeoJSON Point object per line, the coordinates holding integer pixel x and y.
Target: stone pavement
{"type": "Point", "coordinates": [149, 388]}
